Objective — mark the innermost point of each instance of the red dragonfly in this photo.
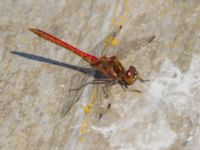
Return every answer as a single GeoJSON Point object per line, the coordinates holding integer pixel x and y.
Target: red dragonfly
{"type": "Point", "coordinates": [110, 67]}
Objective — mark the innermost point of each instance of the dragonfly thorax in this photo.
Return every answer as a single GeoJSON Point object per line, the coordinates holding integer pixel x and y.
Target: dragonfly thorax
{"type": "Point", "coordinates": [130, 76]}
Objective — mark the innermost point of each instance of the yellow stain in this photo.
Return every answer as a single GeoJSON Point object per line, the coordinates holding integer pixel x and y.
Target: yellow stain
{"type": "Point", "coordinates": [88, 107]}
{"type": "Point", "coordinates": [83, 128]}
{"type": "Point", "coordinates": [114, 42]}
{"type": "Point", "coordinates": [90, 104]}
{"type": "Point", "coordinates": [84, 124]}
{"type": "Point", "coordinates": [82, 139]}
{"type": "Point", "coordinates": [111, 42]}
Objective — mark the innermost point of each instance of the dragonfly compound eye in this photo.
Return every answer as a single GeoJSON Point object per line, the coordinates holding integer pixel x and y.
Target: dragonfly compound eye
{"type": "Point", "coordinates": [132, 71]}
{"type": "Point", "coordinates": [130, 76]}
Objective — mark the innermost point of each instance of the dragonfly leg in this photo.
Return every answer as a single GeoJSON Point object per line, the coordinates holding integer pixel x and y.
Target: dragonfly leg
{"type": "Point", "coordinates": [142, 80]}
{"type": "Point", "coordinates": [104, 91]}
{"type": "Point", "coordinates": [101, 114]}
{"type": "Point", "coordinates": [133, 90]}
{"type": "Point", "coordinates": [90, 82]}
{"type": "Point", "coordinates": [109, 105]}
{"type": "Point", "coordinates": [125, 88]}
{"type": "Point", "coordinates": [109, 83]}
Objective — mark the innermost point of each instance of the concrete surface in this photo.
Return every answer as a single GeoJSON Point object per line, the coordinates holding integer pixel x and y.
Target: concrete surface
{"type": "Point", "coordinates": [36, 78]}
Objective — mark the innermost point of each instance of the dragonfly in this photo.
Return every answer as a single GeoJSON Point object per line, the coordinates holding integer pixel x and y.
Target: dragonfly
{"type": "Point", "coordinates": [110, 68]}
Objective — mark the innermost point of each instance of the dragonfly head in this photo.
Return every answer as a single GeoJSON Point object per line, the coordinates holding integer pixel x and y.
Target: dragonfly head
{"type": "Point", "coordinates": [130, 76]}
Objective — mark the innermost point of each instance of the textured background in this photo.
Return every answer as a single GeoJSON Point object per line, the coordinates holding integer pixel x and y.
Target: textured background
{"type": "Point", "coordinates": [33, 91]}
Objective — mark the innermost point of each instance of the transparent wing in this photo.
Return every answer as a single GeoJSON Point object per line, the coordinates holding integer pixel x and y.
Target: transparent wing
{"type": "Point", "coordinates": [112, 47]}
{"type": "Point", "coordinates": [122, 49]}
{"type": "Point", "coordinates": [77, 80]}
{"type": "Point", "coordinates": [101, 48]}
{"type": "Point", "coordinates": [73, 96]}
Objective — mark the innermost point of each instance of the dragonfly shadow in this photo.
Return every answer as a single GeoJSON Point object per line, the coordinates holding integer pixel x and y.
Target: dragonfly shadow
{"type": "Point", "coordinates": [84, 70]}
